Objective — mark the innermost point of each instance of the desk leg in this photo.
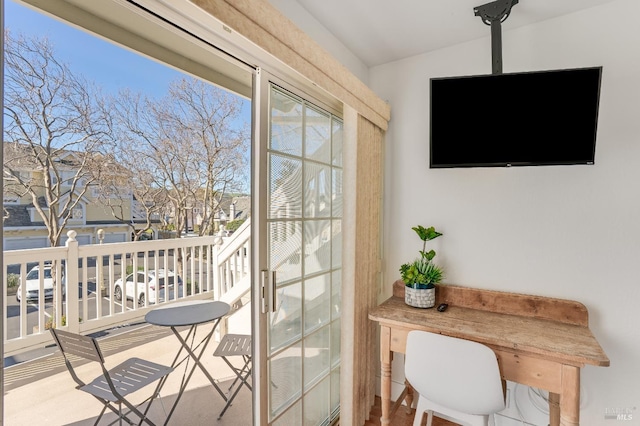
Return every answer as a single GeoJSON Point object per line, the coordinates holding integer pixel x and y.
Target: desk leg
{"type": "Point", "coordinates": [570, 397]}
{"type": "Point", "coordinates": [554, 409]}
{"type": "Point", "coordinates": [386, 356]}
{"type": "Point", "coordinates": [410, 396]}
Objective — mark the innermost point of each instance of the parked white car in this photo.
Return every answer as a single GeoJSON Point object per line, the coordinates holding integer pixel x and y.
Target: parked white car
{"type": "Point", "coordinates": [32, 284]}
{"type": "Point", "coordinates": [159, 283]}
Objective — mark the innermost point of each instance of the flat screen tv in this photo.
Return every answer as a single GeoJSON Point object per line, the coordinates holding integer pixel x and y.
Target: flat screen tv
{"type": "Point", "coordinates": [519, 119]}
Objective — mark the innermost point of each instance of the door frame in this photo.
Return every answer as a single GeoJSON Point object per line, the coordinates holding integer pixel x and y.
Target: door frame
{"type": "Point", "coordinates": [263, 288]}
{"type": "Point", "coordinates": [259, 261]}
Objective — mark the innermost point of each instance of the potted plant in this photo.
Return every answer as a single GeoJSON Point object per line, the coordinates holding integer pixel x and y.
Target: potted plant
{"type": "Point", "coordinates": [421, 275]}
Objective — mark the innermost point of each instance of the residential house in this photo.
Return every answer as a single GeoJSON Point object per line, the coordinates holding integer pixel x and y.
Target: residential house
{"type": "Point", "coordinates": [233, 208]}
{"type": "Point", "coordinates": [230, 208]}
{"type": "Point", "coordinates": [24, 227]}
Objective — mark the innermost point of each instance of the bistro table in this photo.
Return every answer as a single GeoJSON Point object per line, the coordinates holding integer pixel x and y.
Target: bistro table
{"type": "Point", "coordinates": [190, 314]}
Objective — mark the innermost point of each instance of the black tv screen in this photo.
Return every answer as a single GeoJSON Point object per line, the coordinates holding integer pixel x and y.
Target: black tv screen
{"type": "Point", "coordinates": [519, 119]}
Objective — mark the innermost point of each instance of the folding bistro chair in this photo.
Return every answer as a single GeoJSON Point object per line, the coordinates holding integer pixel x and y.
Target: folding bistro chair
{"type": "Point", "coordinates": [235, 345]}
{"type": "Point", "coordinates": [112, 386]}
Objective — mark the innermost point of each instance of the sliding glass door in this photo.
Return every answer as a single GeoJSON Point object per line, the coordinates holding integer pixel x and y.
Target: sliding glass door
{"type": "Point", "coordinates": [301, 275]}
{"type": "Point", "coordinates": [296, 197]}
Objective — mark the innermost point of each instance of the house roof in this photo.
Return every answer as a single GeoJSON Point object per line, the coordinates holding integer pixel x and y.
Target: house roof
{"type": "Point", "coordinates": [17, 215]}
{"type": "Point", "coordinates": [243, 206]}
{"type": "Point", "coordinates": [20, 157]}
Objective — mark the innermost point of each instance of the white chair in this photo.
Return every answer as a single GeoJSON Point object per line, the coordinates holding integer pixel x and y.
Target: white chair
{"type": "Point", "coordinates": [455, 378]}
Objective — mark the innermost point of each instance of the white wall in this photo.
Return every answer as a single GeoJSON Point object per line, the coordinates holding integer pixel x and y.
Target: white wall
{"type": "Point", "coordinates": [562, 231]}
{"type": "Point", "coordinates": [310, 25]}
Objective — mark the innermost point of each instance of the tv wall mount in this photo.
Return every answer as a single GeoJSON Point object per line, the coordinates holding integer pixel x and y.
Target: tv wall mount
{"type": "Point", "coordinates": [494, 14]}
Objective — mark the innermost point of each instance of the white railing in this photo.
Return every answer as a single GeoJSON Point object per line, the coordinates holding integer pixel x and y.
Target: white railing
{"type": "Point", "coordinates": [85, 301]}
{"type": "Point", "coordinates": [233, 263]}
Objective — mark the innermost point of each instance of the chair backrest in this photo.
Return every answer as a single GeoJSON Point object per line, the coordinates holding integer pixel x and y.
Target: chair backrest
{"type": "Point", "coordinates": [455, 373]}
{"type": "Point", "coordinates": [78, 345]}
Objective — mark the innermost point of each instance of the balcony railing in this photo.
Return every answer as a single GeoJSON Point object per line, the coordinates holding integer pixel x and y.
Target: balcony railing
{"type": "Point", "coordinates": [80, 292]}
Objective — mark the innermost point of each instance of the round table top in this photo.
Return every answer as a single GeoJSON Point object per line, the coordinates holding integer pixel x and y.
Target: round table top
{"type": "Point", "coordinates": [187, 313]}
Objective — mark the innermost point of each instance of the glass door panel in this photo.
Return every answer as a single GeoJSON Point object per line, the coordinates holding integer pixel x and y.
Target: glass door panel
{"type": "Point", "coordinates": [304, 210]}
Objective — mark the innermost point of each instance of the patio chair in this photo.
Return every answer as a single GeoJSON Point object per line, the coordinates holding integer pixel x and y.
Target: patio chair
{"type": "Point", "coordinates": [112, 386]}
{"type": "Point", "coordinates": [235, 345]}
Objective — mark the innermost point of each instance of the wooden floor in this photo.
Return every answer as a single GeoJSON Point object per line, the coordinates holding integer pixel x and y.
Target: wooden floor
{"type": "Point", "coordinates": [401, 417]}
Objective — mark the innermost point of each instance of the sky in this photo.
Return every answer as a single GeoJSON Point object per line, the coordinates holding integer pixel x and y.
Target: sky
{"type": "Point", "coordinates": [111, 67]}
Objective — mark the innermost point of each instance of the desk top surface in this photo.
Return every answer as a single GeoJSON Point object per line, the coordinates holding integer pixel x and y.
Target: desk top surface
{"type": "Point", "coordinates": [187, 313]}
{"type": "Point", "coordinates": [571, 343]}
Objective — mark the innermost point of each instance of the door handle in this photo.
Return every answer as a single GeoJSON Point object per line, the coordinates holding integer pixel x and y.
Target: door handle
{"type": "Point", "coordinates": [264, 278]}
{"type": "Point", "coordinates": [273, 291]}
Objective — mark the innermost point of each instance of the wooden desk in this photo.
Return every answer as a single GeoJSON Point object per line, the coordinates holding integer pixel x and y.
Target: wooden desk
{"type": "Point", "coordinates": [539, 341]}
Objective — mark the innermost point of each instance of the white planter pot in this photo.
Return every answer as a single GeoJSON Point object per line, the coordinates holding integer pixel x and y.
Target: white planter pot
{"type": "Point", "coordinates": [420, 297]}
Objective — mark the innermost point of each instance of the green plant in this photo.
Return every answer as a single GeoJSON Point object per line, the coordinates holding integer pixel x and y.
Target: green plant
{"type": "Point", "coordinates": [63, 321]}
{"type": "Point", "coordinates": [192, 289]}
{"type": "Point", "coordinates": [129, 269]}
{"type": "Point", "coordinates": [13, 280]}
{"type": "Point", "coordinates": [234, 225]}
{"type": "Point", "coordinates": [422, 272]}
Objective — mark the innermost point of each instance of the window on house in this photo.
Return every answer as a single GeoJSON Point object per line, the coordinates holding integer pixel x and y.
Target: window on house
{"type": "Point", "coordinates": [10, 199]}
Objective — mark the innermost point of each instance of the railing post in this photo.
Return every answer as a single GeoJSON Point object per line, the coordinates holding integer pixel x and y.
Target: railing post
{"type": "Point", "coordinates": [217, 285]}
{"type": "Point", "coordinates": [215, 251]}
{"type": "Point", "coordinates": [72, 274]}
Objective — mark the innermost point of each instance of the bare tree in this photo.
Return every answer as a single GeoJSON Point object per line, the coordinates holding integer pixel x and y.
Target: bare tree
{"type": "Point", "coordinates": [192, 141]}
{"type": "Point", "coordinates": [54, 128]}
{"type": "Point", "coordinates": [129, 191]}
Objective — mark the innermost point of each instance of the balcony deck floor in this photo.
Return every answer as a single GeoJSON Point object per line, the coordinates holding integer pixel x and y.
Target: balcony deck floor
{"type": "Point", "coordinates": [49, 396]}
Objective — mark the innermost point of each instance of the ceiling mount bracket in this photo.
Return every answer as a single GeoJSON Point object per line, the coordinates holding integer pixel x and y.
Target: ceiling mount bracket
{"type": "Point", "coordinates": [494, 14]}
